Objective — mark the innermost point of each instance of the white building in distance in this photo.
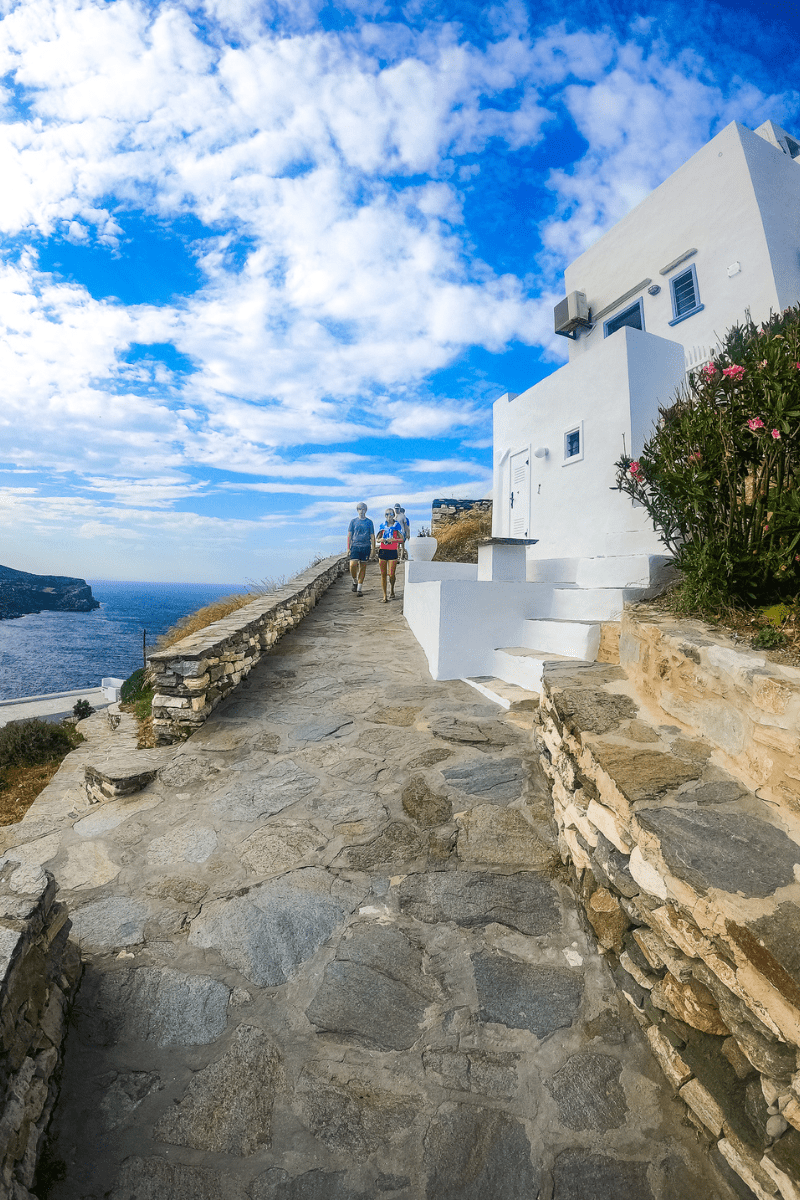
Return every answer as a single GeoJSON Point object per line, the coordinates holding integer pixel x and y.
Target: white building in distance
{"type": "Point", "coordinates": [649, 301]}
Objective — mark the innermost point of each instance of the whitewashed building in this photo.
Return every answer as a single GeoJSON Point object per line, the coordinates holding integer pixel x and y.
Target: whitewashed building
{"type": "Point", "coordinates": [720, 238]}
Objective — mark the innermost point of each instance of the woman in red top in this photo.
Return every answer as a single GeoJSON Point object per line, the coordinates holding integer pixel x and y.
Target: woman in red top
{"type": "Point", "coordinates": [390, 537]}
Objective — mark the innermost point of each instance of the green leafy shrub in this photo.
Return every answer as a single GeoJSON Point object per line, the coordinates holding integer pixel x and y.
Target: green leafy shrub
{"type": "Point", "coordinates": [720, 475]}
{"type": "Point", "coordinates": [138, 693]}
{"type": "Point", "coordinates": [31, 742]}
{"type": "Point", "coordinates": [769, 638]}
{"type": "Point", "coordinates": [82, 709]}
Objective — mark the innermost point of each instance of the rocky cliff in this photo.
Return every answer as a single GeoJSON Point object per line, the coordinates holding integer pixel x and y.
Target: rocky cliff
{"type": "Point", "coordinates": [22, 592]}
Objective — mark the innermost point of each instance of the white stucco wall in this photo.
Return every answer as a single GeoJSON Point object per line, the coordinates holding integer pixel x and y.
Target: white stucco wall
{"type": "Point", "coordinates": [575, 510]}
{"type": "Point", "coordinates": [711, 203]}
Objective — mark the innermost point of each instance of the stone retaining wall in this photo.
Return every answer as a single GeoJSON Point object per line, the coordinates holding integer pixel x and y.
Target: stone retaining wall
{"type": "Point", "coordinates": [192, 676]}
{"type": "Point", "coordinates": [691, 884]}
{"type": "Point", "coordinates": [40, 970]}
{"type": "Point", "coordinates": [444, 510]}
{"type": "Point", "coordinates": [746, 706]}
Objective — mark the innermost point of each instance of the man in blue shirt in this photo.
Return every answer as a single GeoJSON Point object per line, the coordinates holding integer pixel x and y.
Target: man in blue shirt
{"type": "Point", "coordinates": [360, 546]}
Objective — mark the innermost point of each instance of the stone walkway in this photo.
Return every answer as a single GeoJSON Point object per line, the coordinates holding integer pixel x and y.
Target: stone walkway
{"type": "Point", "coordinates": [330, 956]}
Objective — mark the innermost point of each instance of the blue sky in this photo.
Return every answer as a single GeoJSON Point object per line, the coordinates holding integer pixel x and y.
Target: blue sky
{"type": "Point", "coordinates": [263, 260]}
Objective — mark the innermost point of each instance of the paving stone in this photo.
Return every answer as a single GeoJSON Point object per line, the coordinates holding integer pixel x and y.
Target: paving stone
{"type": "Point", "coordinates": [268, 793]}
{"type": "Point", "coordinates": [588, 1092]}
{"type": "Point", "coordinates": [153, 1004]}
{"type": "Point", "coordinates": [591, 710]}
{"type": "Point", "coordinates": [477, 1071]}
{"type": "Point", "coordinates": [188, 843]}
{"type": "Point", "coordinates": [357, 769]}
{"type": "Point", "coordinates": [429, 758]}
{"type": "Point", "coordinates": [496, 780]}
{"type": "Point", "coordinates": [525, 901]}
{"type": "Point", "coordinates": [188, 892]}
{"type": "Point", "coordinates": [114, 922]}
{"type": "Point", "coordinates": [265, 740]}
{"type": "Point", "coordinates": [156, 1179]}
{"type": "Point", "coordinates": [227, 1107]}
{"type": "Point", "coordinates": [539, 998]}
{"type": "Point", "coordinates": [315, 731]}
{"type": "Point", "coordinates": [187, 769]}
{"type": "Point", "coordinates": [273, 928]}
{"type": "Point", "coordinates": [87, 866]}
{"type": "Point", "coordinates": [481, 734]}
{"type": "Point", "coordinates": [122, 1095]}
{"type": "Point", "coordinates": [641, 774]}
{"type": "Point", "coordinates": [733, 852]}
{"type": "Point", "coordinates": [281, 846]}
{"type": "Point", "coordinates": [395, 715]}
{"type": "Point", "coordinates": [581, 1175]}
{"type": "Point", "coordinates": [398, 844]}
{"type": "Point", "coordinates": [353, 1117]}
{"type": "Point", "coordinates": [424, 806]}
{"type": "Point", "coordinates": [472, 1154]}
{"type": "Point", "coordinates": [501, 837]}
{"type": "Point", "coordinates": [374, 989]}
{"type": "Point", "coordinates": [276, 1184]}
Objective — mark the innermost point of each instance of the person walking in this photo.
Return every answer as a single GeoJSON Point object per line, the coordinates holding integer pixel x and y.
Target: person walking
{"type": "Point", "coordinates": [390, 538]}
{"type": "Point", "coordinates": [400, 514]}
{"type": "Point", "coordinates": [360, 546]}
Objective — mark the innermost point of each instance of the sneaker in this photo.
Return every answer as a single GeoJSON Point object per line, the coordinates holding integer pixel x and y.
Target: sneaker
{"type": "Point", "coordinates": [355, 587]}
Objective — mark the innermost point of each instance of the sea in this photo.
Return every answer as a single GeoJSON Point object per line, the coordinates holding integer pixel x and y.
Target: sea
{"type": "Point", "coordinates": [59, 651]}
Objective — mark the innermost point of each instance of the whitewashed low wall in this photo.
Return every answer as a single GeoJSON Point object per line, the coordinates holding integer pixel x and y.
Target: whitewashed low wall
{"type": "Point", "coordinates": [460, 623]}
{"type": "Point", "coordinates": [192, 676]}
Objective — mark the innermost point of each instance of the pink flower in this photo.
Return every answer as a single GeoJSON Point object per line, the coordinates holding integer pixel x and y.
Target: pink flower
{"type": "Point", "coordinates": [636, 471]}
{"type": "Point", "coordinates": [776, 433]}
{"type": "Point", "coordinates": [709, 372]}
{"type": "Point", "coordinates": [755, 423]}
{"type": "Point", "coordinates": [735, 373]}
{"type": "Point", "coordinates": [763, 362]}
{"type": "Point", "coordinates": [798, 366]}
{"type": "Point", "coordinates": [696, 458]}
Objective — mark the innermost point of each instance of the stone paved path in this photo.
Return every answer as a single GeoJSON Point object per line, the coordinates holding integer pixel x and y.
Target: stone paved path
{"type": "Point", "coordinates": [330, 956]}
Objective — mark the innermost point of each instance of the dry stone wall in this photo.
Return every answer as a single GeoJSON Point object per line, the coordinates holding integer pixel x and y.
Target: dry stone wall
{"type": "Point", "coordinates": [192, 676]}
{"type": "Point", "coordinates": [40, 970]}
{"type": "Point", "coordinates": [690, 882]}
{"type": "Point", "coordinates": [746, 706]}
{"type": "Point", "coordinates": [444, 510]}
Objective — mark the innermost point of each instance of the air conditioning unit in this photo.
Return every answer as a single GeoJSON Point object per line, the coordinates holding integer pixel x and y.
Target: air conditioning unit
{"type": "Point", "coordinates": [572, 313]}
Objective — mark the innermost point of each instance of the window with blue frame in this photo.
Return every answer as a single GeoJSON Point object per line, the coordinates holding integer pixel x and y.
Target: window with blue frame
{"type": "Point", "coordinates": [572, 443]}
{"type": "Point", "coordinates": [633, 316]}
{"type": "Point", "coordinates": [685, 295]}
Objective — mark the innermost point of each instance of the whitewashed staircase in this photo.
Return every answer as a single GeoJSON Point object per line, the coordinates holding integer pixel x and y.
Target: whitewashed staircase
{"type": "Point", "coordinates": [571, 628]}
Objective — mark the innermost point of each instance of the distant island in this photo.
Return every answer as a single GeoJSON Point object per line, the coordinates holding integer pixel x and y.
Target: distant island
{"type": "Point", "coordinates": [22, 593]}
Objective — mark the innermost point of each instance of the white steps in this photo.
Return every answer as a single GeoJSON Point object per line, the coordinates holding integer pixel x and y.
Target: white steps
{"type": "Point", "coordinates": [572, 639]}
{"type": "Point", "coordinates": [525, 667]}
{"type": "Point", "coordinates": [591, 604]}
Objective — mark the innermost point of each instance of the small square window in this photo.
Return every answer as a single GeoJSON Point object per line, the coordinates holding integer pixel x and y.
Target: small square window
{"type": "Point", "coordinates": [632, 316]}
{"type": "Point", "coordinates": [573, 444]}
{"type": "Point", "coordinates": [792, 147]}
{"type": "Point", "coordinates": [685, 295]}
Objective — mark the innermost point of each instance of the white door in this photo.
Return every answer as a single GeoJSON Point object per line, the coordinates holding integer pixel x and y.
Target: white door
{"type": "Point", "coordinates": [520, 498]}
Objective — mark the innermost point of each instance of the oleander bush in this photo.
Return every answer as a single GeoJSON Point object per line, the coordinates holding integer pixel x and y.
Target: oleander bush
{"type": "Point", "coordinates": [720, 474]}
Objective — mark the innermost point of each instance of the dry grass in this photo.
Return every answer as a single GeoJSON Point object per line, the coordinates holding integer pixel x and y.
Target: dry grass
{"type": "Point", "coordinates": [19, 788]}
{"type": "Point", "coordinates": [459, 536]}
{"type": "Point", "coordinates": [204, 617]}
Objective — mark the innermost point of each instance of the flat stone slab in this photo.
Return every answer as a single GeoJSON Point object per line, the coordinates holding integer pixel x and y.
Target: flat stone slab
{"type": "Point", "coordinates": [539, 998]}
{"type": "Point", "coordinates": [643, 774]}
{"type": "Point", "coordinates": [155, 1179]}
{"type": "Point", "coordinates": [374, 990]}
{"type": "Point", "coordinates": [732, 852]}
{"type": "Point", "coordinates": [424, 806]}
{"type": "Point", "coordinates": [501, 837]}
{"type": "Point", "coordinates": [352, 1116]}
{"type": "Point", "coordinates": [592, 710]}
{"type": "Point", "coordinates": [112, 922]}
{"type": "Point", "coordinates": [315, 731]}
{"type": "Point", "coordinates": [277, 1184]}
{"type": "Point", "coordinates": [270, 792]}
{"type": "Point", "coordinates": [228, 1105]}
{"type": "Point", "coordinates": [277, 925]}
{"type": "Point", "coordinates": [525, 900]}
{"type": "Point", "coordinates": [496, 780]}
{"type": "Point", "coordinates": [588, 1092]}
{"type": "Point", "coordinates": [581, 1175]}
{"type": "Point", "coordinates": [474, 1154]}
{"type": "Point", "coordinates": [153, 1004]}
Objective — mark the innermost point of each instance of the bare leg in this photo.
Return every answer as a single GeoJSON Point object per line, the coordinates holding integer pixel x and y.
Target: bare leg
{"type": "Point", "coordinates": [354, 565]}
{"type": "Point", "coordinates": [392, 570]}
{"type": "Point", "coordinates": [384, 565]}
{"type": "Point", "coordinates": [362, 572]}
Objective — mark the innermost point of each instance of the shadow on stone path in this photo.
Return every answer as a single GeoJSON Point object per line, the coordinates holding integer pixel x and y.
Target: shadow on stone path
{"type": "Point", "coordinates": [329, 957]}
